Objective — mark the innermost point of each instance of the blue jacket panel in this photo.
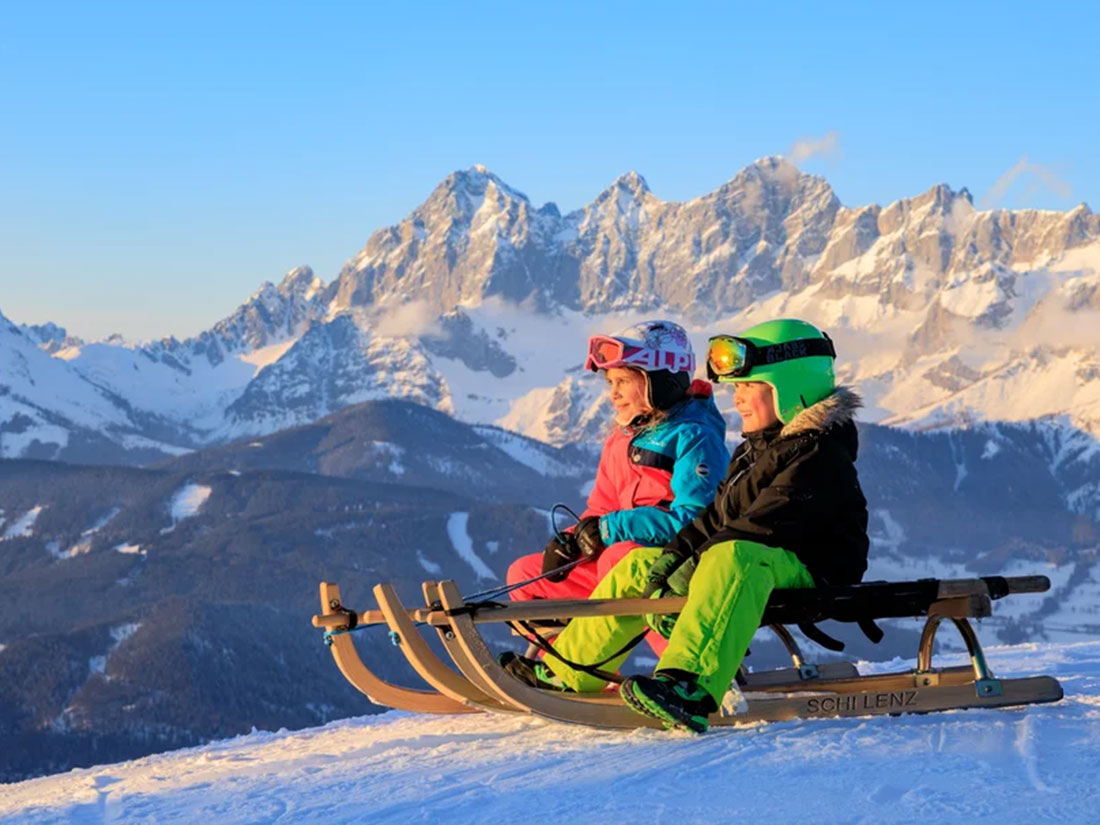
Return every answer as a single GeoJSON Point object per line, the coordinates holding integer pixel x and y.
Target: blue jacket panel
{"type": "Point", "coordinates": [690, 446]}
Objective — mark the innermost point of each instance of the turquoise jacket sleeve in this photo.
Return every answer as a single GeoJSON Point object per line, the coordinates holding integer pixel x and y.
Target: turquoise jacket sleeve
{"type": "Point", "coordinates": [699, 460]}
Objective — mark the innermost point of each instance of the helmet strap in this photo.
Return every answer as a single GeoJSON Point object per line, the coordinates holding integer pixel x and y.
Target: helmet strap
{"type": "Point", "coordinates": [789, 350]}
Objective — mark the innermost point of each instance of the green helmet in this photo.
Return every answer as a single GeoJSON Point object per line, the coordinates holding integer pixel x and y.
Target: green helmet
{"type": "Point", "coordinates": [794, 357]}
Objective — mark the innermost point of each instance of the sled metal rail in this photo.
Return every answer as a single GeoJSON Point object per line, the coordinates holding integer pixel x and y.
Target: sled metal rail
{"type": "Point", "coordinates": [476, 682]}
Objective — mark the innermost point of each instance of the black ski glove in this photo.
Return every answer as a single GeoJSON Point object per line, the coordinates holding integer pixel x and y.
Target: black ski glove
{"type": "Point", "coordinates": [587, 534]}
{"type": "Point", "coordinates": [558, 555]}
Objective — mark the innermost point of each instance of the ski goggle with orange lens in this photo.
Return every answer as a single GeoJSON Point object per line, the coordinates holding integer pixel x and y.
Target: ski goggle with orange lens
{"type": "Point", "coordinates": [606, 352]}
{"type": "Point", "coordinates": [731, 357]}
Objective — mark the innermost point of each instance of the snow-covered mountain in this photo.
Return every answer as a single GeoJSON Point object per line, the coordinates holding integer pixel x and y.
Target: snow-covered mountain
{"type": "Point", "coordinates": [1007, 767]}
{"type": "Point", "coordinates": [47, 407]}
{"type": "Point", "coordinates": [478, 303]}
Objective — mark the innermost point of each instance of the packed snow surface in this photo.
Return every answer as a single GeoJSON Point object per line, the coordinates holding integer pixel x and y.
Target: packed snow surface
{"type": "Point", "coordinates": [1007, 766]}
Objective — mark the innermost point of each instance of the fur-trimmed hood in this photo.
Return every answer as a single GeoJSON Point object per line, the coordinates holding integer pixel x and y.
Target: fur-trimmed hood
{"type": "Point", "coordinates": [839, 407]}
{"type": "Point", "coordinates": [794, 487]}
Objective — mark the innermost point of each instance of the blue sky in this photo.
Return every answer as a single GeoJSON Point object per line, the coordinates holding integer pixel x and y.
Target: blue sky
{"type": "Point", "coordinates": [159, 161]}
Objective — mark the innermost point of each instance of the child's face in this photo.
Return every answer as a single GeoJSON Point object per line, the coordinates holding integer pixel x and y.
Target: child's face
{"type": "Point", "coordinates": [626, 389]}
{"type": "Point", "coordinates": [753, 400]}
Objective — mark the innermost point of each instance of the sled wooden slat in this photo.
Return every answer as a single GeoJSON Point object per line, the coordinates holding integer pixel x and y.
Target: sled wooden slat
{"type": "Point", "coordinates": [458, 656]}
{"type": "Point", "coordinates": [951, 588]}
{"type": "Point", "coordinates": [959, 595]}
{"type": "Point", "coordinates": [547, 609]}
{"type": "Point", "coordinates": [537, 609]}
{"type": "Point", "coordinates": [879, 701]}
{"type": "Point", "coordinates": [788, 677]}
{"type": "Point", "coordinates": [423, 658]}
{"type": "Point", "coordinates": [379, 691]}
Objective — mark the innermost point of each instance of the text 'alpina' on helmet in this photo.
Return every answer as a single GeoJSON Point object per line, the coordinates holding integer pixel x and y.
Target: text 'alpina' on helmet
{"type": "Point", "coordinates": [661, 350]}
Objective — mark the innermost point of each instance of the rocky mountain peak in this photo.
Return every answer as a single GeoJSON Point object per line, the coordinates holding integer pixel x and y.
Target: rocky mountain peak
{"type": "Point", "coordinates": [631, 182]}
{"type": "Point", "coordinates": [50, 337]}
{"type": "Point", "coordinates": [622, 198]}
{"type": "Point", "coordinates": [463, 192]}
{"type": "Point", "coordinates": [940, 199]}
{"type": "Point", "coordinates": [300, 281]}
{"type": "Point", "coordinates": [772, 187]}
{"type": "Point", "coordinates": [776, 168]}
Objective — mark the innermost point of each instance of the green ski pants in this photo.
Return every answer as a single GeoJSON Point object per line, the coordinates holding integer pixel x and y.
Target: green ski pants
{"type": "Point", "coordinates": [725, 602]}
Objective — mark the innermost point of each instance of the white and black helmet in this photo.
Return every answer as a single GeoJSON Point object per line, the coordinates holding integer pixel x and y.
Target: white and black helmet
{"type": "Point", "coordinates": [660, 349]}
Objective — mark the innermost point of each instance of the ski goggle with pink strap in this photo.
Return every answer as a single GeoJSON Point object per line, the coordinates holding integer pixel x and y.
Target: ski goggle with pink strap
{"type": "Point", "coordinates": [605, 352]}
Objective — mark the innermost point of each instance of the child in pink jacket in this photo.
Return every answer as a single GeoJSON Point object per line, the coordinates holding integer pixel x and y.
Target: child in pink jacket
{"type": "Point", "coordinates": [659, 468]}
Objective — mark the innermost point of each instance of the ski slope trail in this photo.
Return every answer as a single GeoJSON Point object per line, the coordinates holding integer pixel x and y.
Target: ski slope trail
{"type": "Point", "coordinates": [1023, 765]}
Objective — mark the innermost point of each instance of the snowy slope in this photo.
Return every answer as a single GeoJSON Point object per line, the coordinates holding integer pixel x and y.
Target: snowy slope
{"type": "Point", "coordinates": [985, 766]}
{"type": "Point", "coordinates": [46, 405]}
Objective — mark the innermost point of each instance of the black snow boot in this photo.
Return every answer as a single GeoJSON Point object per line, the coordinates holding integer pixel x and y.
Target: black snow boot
{"type": "Point", "coordinates": [532, 672]}
{"type": "Point", "coordinates": [677, 700]}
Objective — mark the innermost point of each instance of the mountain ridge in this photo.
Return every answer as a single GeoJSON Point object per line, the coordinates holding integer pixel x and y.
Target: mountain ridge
{"type": "Point", "coordinates": [948, 296]}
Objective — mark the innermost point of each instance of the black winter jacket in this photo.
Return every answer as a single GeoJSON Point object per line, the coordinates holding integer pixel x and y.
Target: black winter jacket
{"type": "Point", "coordinates": [795, 487]}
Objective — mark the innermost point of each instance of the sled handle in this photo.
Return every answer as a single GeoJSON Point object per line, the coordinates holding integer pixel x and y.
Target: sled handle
{"type": "Point", "coordinates": [337, 616]}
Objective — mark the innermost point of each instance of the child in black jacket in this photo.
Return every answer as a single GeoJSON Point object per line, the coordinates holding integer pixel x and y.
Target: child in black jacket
{"type": "Point", "coordinates": [790, 513]}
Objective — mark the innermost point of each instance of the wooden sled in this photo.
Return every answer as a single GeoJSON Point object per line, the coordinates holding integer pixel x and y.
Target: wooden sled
{"type": "Point", "coordinates": [804, 691]}
{"type": "Point", "coordinates": [467, 690]}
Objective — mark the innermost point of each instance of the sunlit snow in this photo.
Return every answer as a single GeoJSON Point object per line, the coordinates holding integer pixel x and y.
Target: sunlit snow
{"type": "Point", "coordinates": [1010, 767]}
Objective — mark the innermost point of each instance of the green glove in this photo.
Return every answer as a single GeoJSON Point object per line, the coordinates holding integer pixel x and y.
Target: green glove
{"type": "Point", "coordinates": [668, 576]}
{"type": "Point", "coordinates": [661, 624]}
{"type": "Point", "coordinates": [680, 579]}
{"type": "Point", "coordinates": [663, 566]}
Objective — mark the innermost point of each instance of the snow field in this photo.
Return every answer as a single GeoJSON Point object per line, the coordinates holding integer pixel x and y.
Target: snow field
{"type": "Point", "coordinates": [84, 545]}
{"type": "Point", "coordinates": [186, 502]}
{"type": "Point", "coordinates": [979, 766]}
{"type": "Point", "coordinates": [24, 525]}
{"type": "Point", "coordinates": [528, 453]}
{"type": "Point", "coordinates": [464, 545]}
{"type": "Point", "coordinates": [98, 664]}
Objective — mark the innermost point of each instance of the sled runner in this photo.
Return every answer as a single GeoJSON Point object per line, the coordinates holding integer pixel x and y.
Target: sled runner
{"type": "Point", "coordinates": [477, 682]}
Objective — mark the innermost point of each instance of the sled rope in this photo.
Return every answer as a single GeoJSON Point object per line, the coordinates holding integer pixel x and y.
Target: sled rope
{"type": "Point", "coordinates": [500, 591]}
{"type": "Point", "coordinates": [492, 593]}
{"type": "Point", "coordinates": [592, 670]}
